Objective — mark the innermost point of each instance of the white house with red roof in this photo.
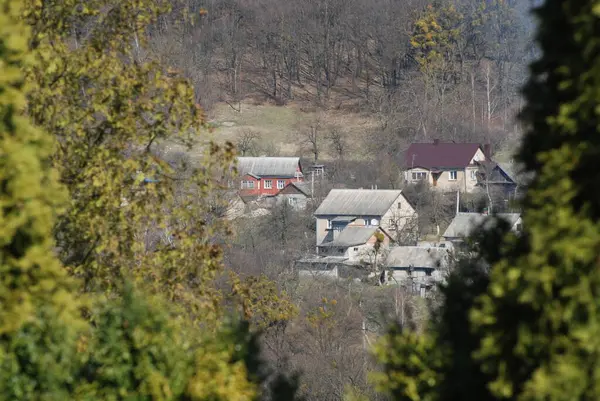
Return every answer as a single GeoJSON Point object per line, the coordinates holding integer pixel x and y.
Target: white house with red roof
{"type": "Point", "coordinates": [454, 166]}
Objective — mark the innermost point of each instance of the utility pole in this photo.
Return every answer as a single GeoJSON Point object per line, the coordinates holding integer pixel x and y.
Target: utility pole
{"type": "Point", "coordinates": [457, 202]}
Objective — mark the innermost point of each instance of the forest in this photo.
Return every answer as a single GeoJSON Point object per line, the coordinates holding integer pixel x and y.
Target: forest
{"type": "Point", "coordinates": [369, 76]}
{"type": "Point", "coordinates": [121, 279]}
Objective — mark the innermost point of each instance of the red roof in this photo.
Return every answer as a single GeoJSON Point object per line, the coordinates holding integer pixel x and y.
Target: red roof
{"type": "Point", "coordinates": [440, 155]}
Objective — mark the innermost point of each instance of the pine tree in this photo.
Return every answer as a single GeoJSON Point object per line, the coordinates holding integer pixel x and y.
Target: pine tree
{"type": "Point", "coordinates": [39, 324]}
{"type": "Point", "coordinates": [529, 331]}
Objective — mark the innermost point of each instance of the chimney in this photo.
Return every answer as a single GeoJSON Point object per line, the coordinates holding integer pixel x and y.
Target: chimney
{"type": "Point", "coordinates": [487, 151]}
{"type": "Point", "coordinates": [436, 141]}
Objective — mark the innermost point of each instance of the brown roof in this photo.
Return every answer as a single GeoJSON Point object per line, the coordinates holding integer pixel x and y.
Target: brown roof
{"type": "Point", "coordinates": [440, 155]}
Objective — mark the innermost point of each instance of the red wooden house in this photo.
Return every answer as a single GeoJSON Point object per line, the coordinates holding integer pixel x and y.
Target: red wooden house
{"type": "Point", "coordinates": [267, 175]}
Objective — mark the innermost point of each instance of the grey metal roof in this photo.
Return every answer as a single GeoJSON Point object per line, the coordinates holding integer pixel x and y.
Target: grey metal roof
{"type": "Point", "coordinates": [418, 256]}
{"type": "Point", "coordinates": [463, 224]}
{"type": "Point", "coordinates": [352, 235]}
{"type": "Point", "coordinates": [353, 202]}
{"type": "Point", "coordinates": [303, 187]}
{"type": "Point", "coordinates": [268, 166]}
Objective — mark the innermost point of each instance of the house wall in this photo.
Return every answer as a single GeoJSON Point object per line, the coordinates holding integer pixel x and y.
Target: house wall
{"type": "Point", "coordinates": [363, 252]}
{"type": "Point", "coordinates": [398, 214]}
{"type": "Point", "coordinates": [235, 209]}
{"type": "Point", "coordinates": [333, 251]}
{"type": "Point", "coordinates": [321, 229]}
{"type": "Point", "coordinates": [259, 184]}
{"type": "Point", "coordinates": [296, 201]}
{"type": "Point", "coordinates": [401, 272]}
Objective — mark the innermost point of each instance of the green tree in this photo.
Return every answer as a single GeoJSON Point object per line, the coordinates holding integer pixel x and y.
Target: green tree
{"type": "Point", "coordinates": [528, 330]}
{"type": "Point", "coordinates": [107, 107]}
{"type": "Point", "coordinates": [39, 323]}
{"type": "Point", "coordinates": [138, 348]}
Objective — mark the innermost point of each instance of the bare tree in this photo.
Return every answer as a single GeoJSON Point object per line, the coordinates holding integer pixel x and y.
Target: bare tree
{"type": "Point", "coordinates": [246, 142]}
{"type": "Point", "coordinates": [310, 136]}
{"type": "Point", "coordinates": [337, 143]}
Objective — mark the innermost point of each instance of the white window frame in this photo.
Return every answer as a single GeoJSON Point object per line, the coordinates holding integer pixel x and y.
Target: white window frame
{"type": "Point", "coordinates": [247, 184]}
{"type": "Point", "coordinates": [473, 175]}
{"type": "Point", "coordinates": [452, 173]}
{"type": "Point", "coordinates": [418, 175]}
{"type": "Point", "coordinates": [280, 184]}
{"type": "Point", "coordinates": [268, 184]}
{"type": "Point", "coordinates": [329, 224]}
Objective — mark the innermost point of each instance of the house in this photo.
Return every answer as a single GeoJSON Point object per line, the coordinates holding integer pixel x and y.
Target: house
{"type": "Point", "coordinates": [387, 209]}
{"type": "Point", "coordinates": [419, 267]}
{"type": "Point", "coordinates": [295, 194]}
{"type": "Point", "coordinates": [454, 166]}
{"type": "Point", "coordinates": [263, 176]}
{"type": "Point", "coordinates": [464, 225]}
{"type": "Point", "coordinates": [355, 244]}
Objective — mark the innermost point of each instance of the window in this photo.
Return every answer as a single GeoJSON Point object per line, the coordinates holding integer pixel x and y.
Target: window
{"type": "Point", "coordinates": [268, 184]}
{"type": "Point", "coordinates": [329, 223]}
{"type": "Point", "coordinates": [399, 205]}
{"type": "Point", "coordinates": [452, 175]}
{"type": "Point", "coordinates": [355, 249]}
{"type": "Point", "coordinates": [292, 201]}
{"type": "Point", "coordinates": [280, 184]}
{"type": "Point", "coordinates": [519, 227]}
{"type": "Point", "coordinates": [419, 175]}
{"type": "Point", "coordinates": [247, 185]}
{"type": "Point", "coordinates": [473, 175]}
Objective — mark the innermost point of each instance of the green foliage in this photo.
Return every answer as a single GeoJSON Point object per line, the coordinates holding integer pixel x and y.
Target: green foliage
{"type": "Point", "coordinates": [38, 315]}
{"type": "Point", "coordinates": [529, 331]}
{"type": "Point", "coordinates": [137, 347]}
{"type": "Point", "coordinates": [410, 364]}
{"type": "Point", "coordinates": [107, 107]}
{"type": "Point", "coordinates": [550, 277]}
{"type": "Point", "coordinates": [435, 38]}
{"type": "Point", "coordinates": [261, 302]}
{"type": "Point", "coordinates": [140, 351]}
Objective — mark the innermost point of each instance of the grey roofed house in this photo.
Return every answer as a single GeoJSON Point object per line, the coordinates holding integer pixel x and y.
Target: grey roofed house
{"type": "Point", "coordinates": [352, 235]}
{"type": "Point", "coordinates": [353, 202]}
{"type": "Point", "coordinates": [281, 167]}
{"type": "Point", "coordinates": [464, 224]}
{"type": "Point", "coordinates": [418, 257]}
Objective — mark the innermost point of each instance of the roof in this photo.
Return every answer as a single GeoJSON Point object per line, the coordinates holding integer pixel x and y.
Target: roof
{"type": "Point", "coordinates": [440, 155]}
{"type": "Point", "coordinates": [343, 219]}
{"type": "Point", "coordinates": [463, 224]}
{"type": "Point", "coordinates": [361, 202]}
{"type": "Point", "coordinates": [268, 166]}
{"type": "Point", "coordinates": [352, 235]}
{"type": "Point", "coordinates": [417, 256]}
{"type": "Point", "coordinates": [303, 187]}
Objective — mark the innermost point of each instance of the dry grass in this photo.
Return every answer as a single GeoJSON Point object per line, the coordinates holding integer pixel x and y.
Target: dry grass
{"type": "Point", "coordinates": [279, 126]}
